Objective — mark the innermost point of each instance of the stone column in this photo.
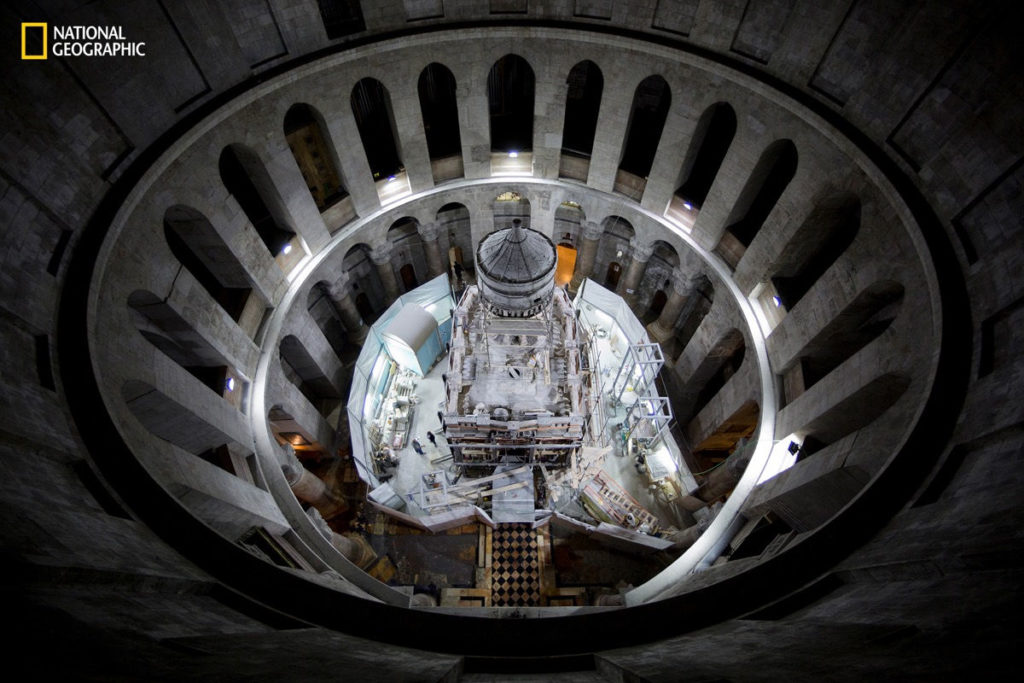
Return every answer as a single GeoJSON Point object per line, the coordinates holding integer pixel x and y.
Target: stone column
{"type": "Point", "coordinates": [429, 233]}
{"type": "Point", "coordinates": [341, 297]}
{"type": "Point", "coordinates": [308, 487]}
{"type": "Point", "coordinates": [641, 253]}
{"type": "Point", "coordinates": [355, 548]}
{"type": "Point", "coordinates": [587, 253]}
{"type": "Point", "coordinates": [381, 257]}
{"type": "Point", "coordinates": [662, 328]}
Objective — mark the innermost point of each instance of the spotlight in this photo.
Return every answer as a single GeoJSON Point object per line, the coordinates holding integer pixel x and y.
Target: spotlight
{"type": "Point", "coordinates": [230, 384]}
{"type": "Point", "coordinates": [777, 300]}
{"type": "Point", "coordinates": [794, 447]}
{"type": "Point", "coordinates": [287, 248]}
{"type": "Point", "coordinates": [513, 155]}
{"type": "Point", "coordinates": [391, 178]}
{"type": "Point", "coordinates": [688, 206]}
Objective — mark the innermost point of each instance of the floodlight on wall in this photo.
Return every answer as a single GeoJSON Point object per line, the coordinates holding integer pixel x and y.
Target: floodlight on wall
{"type": "Point", "coordinates": [777, 301]}
{"type": "Point", "coordinates": [391, 178]}
{"type": "Point", "coordinates": [688, 206]}
{"type": "Point", "coordinates": [513, 154]}
{"type": "Point", "coordinates": [229, 384]}
{"type": "Point", "coordinates": [287, 248]}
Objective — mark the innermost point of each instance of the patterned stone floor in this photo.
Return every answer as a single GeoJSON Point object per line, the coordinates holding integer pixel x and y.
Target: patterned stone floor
{"type": "Point", "coordinates": [515, 567]}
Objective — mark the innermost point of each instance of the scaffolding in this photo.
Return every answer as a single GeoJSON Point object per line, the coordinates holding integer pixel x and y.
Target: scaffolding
{"type": "Point", "coordinates": [640, 366]}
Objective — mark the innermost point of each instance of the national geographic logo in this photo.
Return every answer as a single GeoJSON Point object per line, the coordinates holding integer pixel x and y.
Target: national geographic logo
{"type": "Point", "coordinates": [77, 41]}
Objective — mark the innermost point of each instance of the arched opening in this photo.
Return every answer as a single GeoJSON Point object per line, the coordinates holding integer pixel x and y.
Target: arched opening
{"type": "Point", "coordinates": [200, 248]}
{"type": "Point", "coordinates": [696, 308]}
{"type": "Point", "coordinates": [440, 110]}
{"type": "Point", "coordinates": [308, 140]}
{"type": "Point", "coordinates": [453, 221]}
{"type": "Point", "coordinates": [366, 288]}
{"type": "Point", "coordinates": [375, 119]}
{"type": "Point", "coordinates": [814, 247]}
{"type": "Point", "coordinates": [657, 279]}
{"type": "Point", "coordinates": [725, 440]}
{"type": "Point", "coordinates": [510, 86]}
{"type": "Point", "coordinates": [406, 243]}
{"type": "Point", "coordinates": [710, 143]}
{"type": "Point", "coordinates": [509, 206]}
{"type": "Point", "coordinates": [176, 424]}
{"type": "Point", "coordinates": [774, 169]}
{"type": "Point", "coordinates": [582, 106]}
{"type": "Point", "coordinates": [614, 249]}
{"type": "Point", "coordinates": [568, 219]}
{"type": "Point", "coordinates": [341, 17]}
{"type": "Point", "coordinates": [245, 177]}
{"type": "Point", "coordinates": [302, 371]}
{"type": "Point", "coordinates": [651, 101]}
{"type": "Point", "coordinates": [172, 335]}
{"type": "Point", "coordinates": [851, 414]}
{"type": "Point", "coordinates": [324, 313]}
{"type": "Point", "coordinates": [860, 322]}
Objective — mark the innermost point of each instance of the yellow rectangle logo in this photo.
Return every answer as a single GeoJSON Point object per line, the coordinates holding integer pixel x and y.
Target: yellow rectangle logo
{"type": "Point", "coordinates": [25, 54]}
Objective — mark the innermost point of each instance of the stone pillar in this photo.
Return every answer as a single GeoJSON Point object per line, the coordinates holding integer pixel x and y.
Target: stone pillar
{"type": "Point", "coordinates": [341, 297]}
{"type": "Point", "coordinates": [381, 257]}
{"type": "Point", "coordinates": [355, 548]}
{"type": "Point", "coordinates": [587, 253]}
{"type": "Point", "coordinates": [308, 487]}
{"type": "Point", "coordinates": [662, 328]}
{"type": "Point", "coordinates": [641, 253]}
{"type": "Point", "coordinates": [429, 233]}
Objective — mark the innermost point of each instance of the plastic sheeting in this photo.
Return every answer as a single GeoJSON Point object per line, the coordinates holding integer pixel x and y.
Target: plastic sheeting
{"type": "Point", "coordinates": [412, 339]}
{"type": "Point", "coordinates": [612, 305]}
{"type": "Point", "coordinates": [371, 370]}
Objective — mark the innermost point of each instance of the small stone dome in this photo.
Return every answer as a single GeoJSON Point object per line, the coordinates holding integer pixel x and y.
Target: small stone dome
{"type": "Point", "coordinates": [516, 269]}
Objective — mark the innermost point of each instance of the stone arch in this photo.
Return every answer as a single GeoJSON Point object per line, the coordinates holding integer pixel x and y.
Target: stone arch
{"type": "Point", "coordinates": [375, 119]}
{"type": "Point", "coordinates": [246, 178]}
{"type": "Point", "coordinates": [507, 207]}
{"type": "Point", "coordinates": [613, 251]}
{"type": "Point", "coordinates": [315, 155]}
{"type": "Point", "coordinates": [510, 93]}
{"type": "Point", "coordinates": [163, 327]}
{"type": "Point", "coordinates": [365, 285]}
{"type": "Point", "coordinates": [765, 184]}
{"type": "Point", "coordinates": [826, 234]}
{"type": "Point", "coordinates": [301, 370]}
{"type": "Point", "coordinates": [647, 115]}
{"type": "Point", "coordinates": [439, 107]}
{"type": "Point", "coordinates": [708, 147]}
{"type": "Point", "coordinates": [174, 423]}
{"type": "Point", "coordinates": [585, 86]}
{"type": "Point", "coordinates": [408, 252]}
{"type": "Point", "coordinates": [454, 223]}
{"type": "Point", "coordinates": [200, 248]}
{"type": "Point", "coordinates": [860, 322]}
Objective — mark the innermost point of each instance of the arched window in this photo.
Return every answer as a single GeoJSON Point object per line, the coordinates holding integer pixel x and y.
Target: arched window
{"type": "Point", "coordinates": [322, 310]}
{"type": "Point", "coordinates": [367, 290]}
{"type": "Point", "coordinates": [440, 111]}
{"type": "Point", "coordinates": [305, 132]}
{"type": "Point", "coordinates": [341, 17]}
{"type": "Point", "coordinates": [167, 419]}
{"type": "Point", "coordinates": [860, 322]}
{"type": "Point", "coordinates": [814, 247]}
{"type": "Point", "coordinates": [509, 206]}
{"type": "Point", "coordinates": [404, 237]}
{"type": "Point", "coordinates": [582, 105]}
{"type": "Point", "coordinates": [613, 251]}
{"type": "Point", "coordinates": [510, 86]}
{"type": "Point", "coordinates": [199, 248]}
{"type": "Point", "coordinates": [651, 102]}
{"type": "Point", "coordinates": [375, 120]}
{"type": "Point", "coordinates": [247, 180]}
{"type": "Point", "coordinates": [453, 220]}
{"type": "Point", "coordinates": [711, 140]}
{"type": "Point", "coordinates": [301, 370]}
{"type": "Point", "coordinates": [656, 281]}
{"type": "Point", "coordinates": [165, 329]}
{"type": "Point", "coordinates": [774, 169]}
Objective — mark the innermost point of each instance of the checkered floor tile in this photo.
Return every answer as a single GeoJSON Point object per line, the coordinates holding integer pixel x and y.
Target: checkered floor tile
{"type": "Point", "coordinates": [515, 567]}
